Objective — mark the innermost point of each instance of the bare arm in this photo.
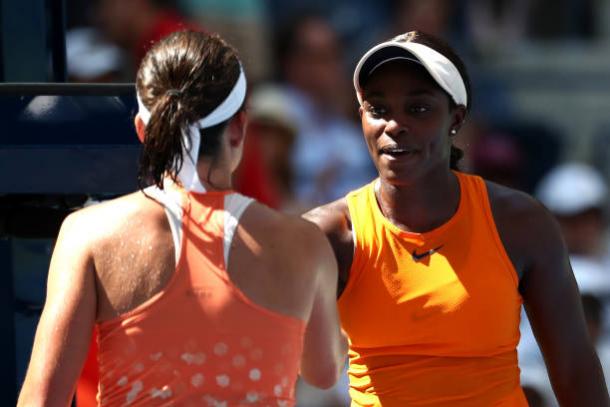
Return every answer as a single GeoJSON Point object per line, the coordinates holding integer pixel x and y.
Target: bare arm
{"type": "Point", "coordinates": [65, 327]}
{"type": "Point", "coordinates": [325, 345]}
{"type": "Point", "coordinates": [554, 308]}
{"type": "Point", "coordinates": [533, 241]}
{"type": "Point", "coordinates": [333, 220]}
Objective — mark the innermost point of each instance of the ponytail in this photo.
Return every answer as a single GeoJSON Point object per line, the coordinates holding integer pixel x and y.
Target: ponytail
{"type": "Point", "coordinates": [456, 155]}
{"type": "Point", "coordinates": [163, 142]}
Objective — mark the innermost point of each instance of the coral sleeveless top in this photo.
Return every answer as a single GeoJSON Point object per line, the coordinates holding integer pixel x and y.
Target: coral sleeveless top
{"type": "Point", "coordinates": [433, 318]}
{"type": "Point", "coordinates": [200, 341]}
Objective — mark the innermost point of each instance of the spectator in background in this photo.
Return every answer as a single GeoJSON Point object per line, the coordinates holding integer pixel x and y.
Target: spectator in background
{"type": "Point", "coordinates": [273, 130]}
{"type": "Point", "coordinates": [496, 22]}
{"type": "Point", "coordinates": [432, 16]}
{"type": "Point", "coordinates": [330, 157]}
{"type": "Point", "coordinates": [135, 25]}
{"type": "Point", "coordinates": [244, 23]}
{"type": "Point", "coordinates": [564, 19]}
{"type": "Point", "coordinates": [497, 157]}
{"type": "Point", "coordinates": [514, 152]}
{"type": "Point", "coordinates": [578, 196]}
{"type": "Point", "coordinates": [90, 58]}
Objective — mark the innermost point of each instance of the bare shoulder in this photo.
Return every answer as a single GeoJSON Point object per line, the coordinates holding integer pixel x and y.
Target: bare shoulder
{"type": "Point", "coordinates": [106, 218]}
{"type": "Point", "coordinates": [527, 229]}
{"type": "Point", "coordinates": [114, 227]}
{"type": "Point", "coordinates": [518, 207]}
{"type": "Point", "coordinates": [331, 218]}
{"type": "Point", "coordinates": [283, 230]}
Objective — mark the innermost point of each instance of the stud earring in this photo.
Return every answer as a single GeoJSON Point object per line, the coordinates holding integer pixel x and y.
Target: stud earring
{"type": "Point", "coordinates": [453, 132]}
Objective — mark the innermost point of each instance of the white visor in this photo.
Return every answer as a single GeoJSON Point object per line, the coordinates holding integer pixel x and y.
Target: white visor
{"type": "Point", "coordinates": [442, 70]}
{"type": "Point", "coordinates": [191, 137]}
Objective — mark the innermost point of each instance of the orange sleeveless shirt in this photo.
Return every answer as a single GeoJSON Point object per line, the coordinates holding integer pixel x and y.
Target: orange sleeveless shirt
{"type": "Point", "coordinates": [200, 341]}
{"type": "Point", "coordinates": [433, 318]}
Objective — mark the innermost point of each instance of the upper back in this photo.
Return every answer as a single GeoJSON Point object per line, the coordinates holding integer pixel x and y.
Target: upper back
{"type": "Point", "coordinates": [134, 255]}
{"type": "Point", "coordinates": [244, 322]}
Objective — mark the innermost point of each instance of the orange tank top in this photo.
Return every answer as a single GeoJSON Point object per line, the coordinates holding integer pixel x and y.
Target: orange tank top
{"type": "Point", "coordinates": [200, 341]}
{"type": "Point", "coordinates": [433, 318]}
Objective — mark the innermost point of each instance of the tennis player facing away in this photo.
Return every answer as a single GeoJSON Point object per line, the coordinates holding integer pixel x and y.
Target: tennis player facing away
{"type": "Point", "coordinates": [435, 264]}
{"type": "Point", "coordinates": [200, 295]}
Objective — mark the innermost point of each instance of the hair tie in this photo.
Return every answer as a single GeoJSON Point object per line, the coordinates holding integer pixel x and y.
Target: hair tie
{"type": "Point", "coordinates": [174, 93]}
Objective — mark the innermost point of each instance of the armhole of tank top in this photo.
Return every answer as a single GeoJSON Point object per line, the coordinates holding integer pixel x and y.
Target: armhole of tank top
{"type": "Point", "coordinates": [483, 192]}
{"type": "Point", "coordinates": [234, 207]}
{"type": "Point", "coordinates": [354, 271]}
{"type": "Point", "coordinates": [171, 202]}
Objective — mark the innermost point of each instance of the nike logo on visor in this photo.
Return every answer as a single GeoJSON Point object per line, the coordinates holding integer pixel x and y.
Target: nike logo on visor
{"type": "Point", "coordinates": [419, 256]}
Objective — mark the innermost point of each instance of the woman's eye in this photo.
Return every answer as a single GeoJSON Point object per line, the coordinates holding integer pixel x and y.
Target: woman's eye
{"type": "Point", "coordinates": [418, 109]}
{"type": "Point", "coordinates": [376, 111]}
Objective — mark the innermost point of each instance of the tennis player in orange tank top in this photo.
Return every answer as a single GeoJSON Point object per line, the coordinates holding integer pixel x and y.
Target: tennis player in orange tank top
{"type": "Point", "coordinates": [200, 296]}
{"type": "Point", "coordinates": [434, 264]}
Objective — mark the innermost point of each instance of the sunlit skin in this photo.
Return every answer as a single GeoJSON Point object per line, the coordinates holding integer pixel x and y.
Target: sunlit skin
{"type": "Point", "coordinates": [407, 121]}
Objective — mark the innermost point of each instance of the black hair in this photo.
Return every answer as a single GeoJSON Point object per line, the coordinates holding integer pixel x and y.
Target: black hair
{"type": "Point", "coordinates": [181, 79]}
{"type": "Point", "coordinates": [445, 49]}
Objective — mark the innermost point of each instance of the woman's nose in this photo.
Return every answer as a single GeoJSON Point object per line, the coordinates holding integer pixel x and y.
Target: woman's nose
{"type": "Point", "coordinates": [394, 128]}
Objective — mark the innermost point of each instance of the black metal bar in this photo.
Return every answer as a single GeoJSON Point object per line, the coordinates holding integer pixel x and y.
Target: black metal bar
{"type": "Point", "coordinates": [1, 43]}
{"type": "Point", "coordinates": [57, 37]}
{"type": "Point", "coordinates": [8, 363]}
{"type": "Point", "coordinates": [70, 89]}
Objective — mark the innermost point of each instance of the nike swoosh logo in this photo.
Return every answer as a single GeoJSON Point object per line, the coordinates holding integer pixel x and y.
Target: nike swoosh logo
{"type": "Point", "coordinates": [419, 256]}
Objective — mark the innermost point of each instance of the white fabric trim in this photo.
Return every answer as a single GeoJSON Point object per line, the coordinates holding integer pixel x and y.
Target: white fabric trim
{"type": "Point", "coordinates": [234, 207]}
{"type": "Point", "coordinates": [171, 201]}
{"type": "Point", "coordinates": [229, 106]}
{"type": "Point", "coordinates": [142, 110]}
{"type": "Point", "coordinates": [442, 70]}
{"type": "Point", "coordinates": [191, 137]}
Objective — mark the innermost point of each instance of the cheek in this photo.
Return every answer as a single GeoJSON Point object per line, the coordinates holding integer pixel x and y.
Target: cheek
{"type": "Point", "coordinates": [439, 137]}
{"type": "Point", "coordinates": [373, 129]}
{"type": "Point", "coordinates": [372, 132]}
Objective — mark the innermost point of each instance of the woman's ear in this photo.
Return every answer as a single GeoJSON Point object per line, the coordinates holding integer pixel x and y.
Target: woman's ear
{"type": "Point", "coordinates": [140, 128]}
{"type": "Point", "coordinates": [457, 121]}
{"type": "Point", "coordinates": [239, 123]}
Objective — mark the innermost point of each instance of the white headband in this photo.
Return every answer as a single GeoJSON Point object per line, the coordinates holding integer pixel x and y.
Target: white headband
{"type": "Point", "coordinates": [191, 137]}
{"type": "Point", "coordinates": [442, 70]}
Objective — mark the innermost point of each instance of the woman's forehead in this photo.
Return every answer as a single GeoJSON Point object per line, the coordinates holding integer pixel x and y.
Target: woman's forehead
{"type": "Point", "coordinates": [399, 76]}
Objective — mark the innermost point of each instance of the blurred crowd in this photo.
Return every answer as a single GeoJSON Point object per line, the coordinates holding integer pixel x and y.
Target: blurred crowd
{"type": "Point", "coordinates": [305, 147]}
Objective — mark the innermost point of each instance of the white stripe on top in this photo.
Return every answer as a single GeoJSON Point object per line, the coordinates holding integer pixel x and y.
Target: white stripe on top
{"type": "Point", "coordinates": [172, 203]}
{"type": "Point", "coordinates": [234, 207]}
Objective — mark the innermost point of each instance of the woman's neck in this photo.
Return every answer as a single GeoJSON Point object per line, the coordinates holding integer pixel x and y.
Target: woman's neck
{"type": "Point", "coordinates": [215, 175]}
{"type": "Point", "coordinates": [421, 206]}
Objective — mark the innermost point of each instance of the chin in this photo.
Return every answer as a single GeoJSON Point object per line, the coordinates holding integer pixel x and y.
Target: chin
{"type": "Point", "coordinates": [398, 179]}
